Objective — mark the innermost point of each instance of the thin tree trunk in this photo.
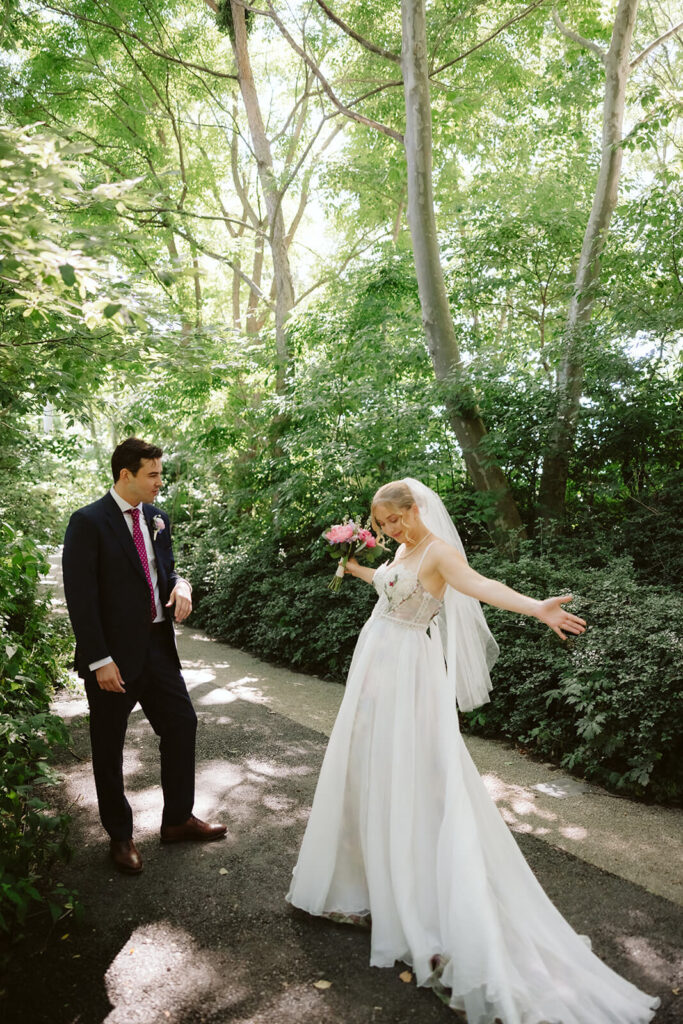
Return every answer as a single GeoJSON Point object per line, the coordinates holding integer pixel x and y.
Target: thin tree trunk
{"type": "Point", "coordinates": [177, 263]}
{"type": "Point", "coordinates": [555, 474]}
{"type": "Point", "coordinates": [436, 315]}
{"type": "Point", "coordinates": [397, 222]}
{"type": "Point", "coordinates": [284, 288]}
{"type": "Point", "coordinates": [236, 281]}
{"type": "Point", "coordinates": [254, 321]}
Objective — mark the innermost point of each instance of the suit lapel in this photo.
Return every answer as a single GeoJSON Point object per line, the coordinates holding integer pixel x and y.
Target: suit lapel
{"type": "Point", "coordinates": [116, 521]}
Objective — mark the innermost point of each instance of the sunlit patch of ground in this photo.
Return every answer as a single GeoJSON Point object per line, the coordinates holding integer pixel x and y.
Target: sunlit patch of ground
{"type": "Point", "coordinates": [162, 968]}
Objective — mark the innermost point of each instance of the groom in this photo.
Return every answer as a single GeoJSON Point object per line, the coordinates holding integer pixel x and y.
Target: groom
{"type": "Point", "coordinates": [121, 584]}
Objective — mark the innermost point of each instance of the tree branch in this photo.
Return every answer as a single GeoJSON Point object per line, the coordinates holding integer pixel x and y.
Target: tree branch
{"type": "Point", "coordinates": [356, 35]}
{"type": "Point", "coordinates": [240, 185]}
{"type": "Point", "coordinates": [189, 213]}
{"type": "Point", "coordinates": [335, 273]}
{"type": "Point", "coordinates": [224, 259]}
{"type": "Point", "coordinates": [576, 38]}
{"type": "Point", "coordinates": [511, 21]}
{"type": "Point", "coordinates": [662, 39]}
{"type": "Point", "coordinates": [270, 13]}
{"type": "Point", "coordinates": [139, 39]}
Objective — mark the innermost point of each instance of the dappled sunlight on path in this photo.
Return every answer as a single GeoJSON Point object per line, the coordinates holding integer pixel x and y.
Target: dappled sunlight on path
{"type": "Point", "coordinates": [638, 842]}
{"type": "Point", "coordinates": [204, 935]}
{"type": "Point", "coordinates": [138, 975]}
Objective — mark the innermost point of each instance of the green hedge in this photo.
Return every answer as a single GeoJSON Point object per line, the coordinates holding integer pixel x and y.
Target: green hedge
{"type": "Point", "coordinates": [608, 705]}
{"type": "Point", "coordinates": [276, 603]}
{"type": "Point", "coordinates": [33, 652]}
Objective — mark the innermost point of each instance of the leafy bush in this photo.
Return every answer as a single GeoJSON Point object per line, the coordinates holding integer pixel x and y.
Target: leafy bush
{"type": "Point", "coordinates": [32, 649]}
{"type": "Point", "coordinates": [607, 705]}
{"type": "Point", "coordinates": [274, 602]}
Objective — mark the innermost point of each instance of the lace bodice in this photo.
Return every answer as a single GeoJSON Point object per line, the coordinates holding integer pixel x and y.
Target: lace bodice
{"type": "Point", "coordinates": [402, 597]}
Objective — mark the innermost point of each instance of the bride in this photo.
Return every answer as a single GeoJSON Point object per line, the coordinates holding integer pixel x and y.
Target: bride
{"type": "Point", "coordinates": [403, 834]}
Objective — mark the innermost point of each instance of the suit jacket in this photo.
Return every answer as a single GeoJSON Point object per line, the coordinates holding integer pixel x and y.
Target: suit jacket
{"type": "Point", "coordinates": [106, 591]}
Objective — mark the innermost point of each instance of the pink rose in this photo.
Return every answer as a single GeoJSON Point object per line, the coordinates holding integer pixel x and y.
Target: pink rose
{"type": "Point", "coordinates": [369, 538]}
{"type": "Point", "coordinates": [340, 534]}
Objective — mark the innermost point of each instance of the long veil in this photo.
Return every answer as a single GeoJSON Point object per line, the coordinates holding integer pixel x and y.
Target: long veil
{"type": "Point", "coordinates": [469, 647]}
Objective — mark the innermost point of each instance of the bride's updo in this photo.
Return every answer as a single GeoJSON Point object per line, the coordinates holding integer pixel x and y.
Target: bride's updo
{"type": "Point", "coordinates": [395, 495]}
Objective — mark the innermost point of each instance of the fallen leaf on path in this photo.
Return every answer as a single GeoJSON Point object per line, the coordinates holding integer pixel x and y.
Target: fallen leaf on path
{"type": "Point", "coordinates": [322, 984]}
{"type": "Point", "coordinates": [222, 871]}
{"type": "Point", "coordinates": [406, 976]}
{"type": "Point", "coordinates": [65, 936]}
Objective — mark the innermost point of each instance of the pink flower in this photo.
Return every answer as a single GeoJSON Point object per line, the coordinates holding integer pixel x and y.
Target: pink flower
{"type": "Point", "coordinates": [340, 534]}
{"type": "Point", "coordinates": [367, 537]}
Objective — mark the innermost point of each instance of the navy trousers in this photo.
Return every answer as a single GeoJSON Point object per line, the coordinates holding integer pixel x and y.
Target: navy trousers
{"type": "Point", "coordinates": [161, 692]}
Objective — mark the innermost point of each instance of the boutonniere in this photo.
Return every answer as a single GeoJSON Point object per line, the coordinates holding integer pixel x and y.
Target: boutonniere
{"type": "Point", "coordinates": [159, 525]}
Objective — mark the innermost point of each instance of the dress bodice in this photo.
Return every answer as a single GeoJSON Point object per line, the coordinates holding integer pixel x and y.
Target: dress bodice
{"type": "Point", "coordinates": [402, 597]}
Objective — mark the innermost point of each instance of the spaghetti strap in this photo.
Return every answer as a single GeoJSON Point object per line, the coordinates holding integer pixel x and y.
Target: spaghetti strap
{"type": "Point", "coordinates": [419, 564]}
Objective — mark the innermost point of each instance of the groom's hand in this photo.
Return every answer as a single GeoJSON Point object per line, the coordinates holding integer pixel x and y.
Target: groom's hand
{"type": "Point", "coordinates": [182, 599]}
{"type": "Point", "coordinates": [109, 678]}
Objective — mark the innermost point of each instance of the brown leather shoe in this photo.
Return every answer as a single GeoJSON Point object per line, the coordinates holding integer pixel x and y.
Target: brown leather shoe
{"type": "Point", "coordinates": [125, 856]}
{"type": "Point", "coordinates": [192, 829]}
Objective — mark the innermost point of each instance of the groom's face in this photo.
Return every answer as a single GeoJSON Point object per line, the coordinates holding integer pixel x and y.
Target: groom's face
{"type": "Point", "coordinates": [143, 485]}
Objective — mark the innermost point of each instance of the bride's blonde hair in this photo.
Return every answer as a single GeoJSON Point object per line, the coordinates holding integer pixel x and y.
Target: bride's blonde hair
{"type": "Point", "coordinates": [395, 495]}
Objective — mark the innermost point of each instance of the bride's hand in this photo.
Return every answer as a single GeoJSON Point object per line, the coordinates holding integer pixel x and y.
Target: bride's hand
{"type": "Point", "coordinates": [351, 566]}
{"type": "Point", "coordinates": [551, 612]}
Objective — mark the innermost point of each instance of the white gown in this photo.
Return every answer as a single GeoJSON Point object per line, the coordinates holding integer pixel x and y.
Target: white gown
{"type": "Point", "coordinates": [403, 833]}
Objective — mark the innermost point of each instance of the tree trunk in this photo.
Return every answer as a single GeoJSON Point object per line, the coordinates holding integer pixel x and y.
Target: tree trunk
{"type": "Point", "coordinates": [555, 474]}
{"type": "Point", "coordinates": [284, 288]}
{"type": "Point", "coordinates": [236, 282]}
{"type": "Point", "coordinates": [254, 320]}
{"type": "Point", "coordinates": [436, 315]}
{"type": "Point", "coordinates": [177, 263]}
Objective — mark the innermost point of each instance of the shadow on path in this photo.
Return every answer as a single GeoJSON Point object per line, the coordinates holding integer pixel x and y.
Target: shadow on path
{"type": "Point", "coordinates": [205, 935]}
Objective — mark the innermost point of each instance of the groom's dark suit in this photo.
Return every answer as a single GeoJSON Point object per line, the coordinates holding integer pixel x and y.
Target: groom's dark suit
{"type": "Point", "coordinates": [108, 598]}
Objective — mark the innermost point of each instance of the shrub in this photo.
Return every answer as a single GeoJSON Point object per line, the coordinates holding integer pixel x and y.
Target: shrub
{"type": "Point", "coordinates": [32, 649]}
{"type": "Point", "coordinates": [274, 602]}
{"type": "Point", "coordinates": [607, 705]}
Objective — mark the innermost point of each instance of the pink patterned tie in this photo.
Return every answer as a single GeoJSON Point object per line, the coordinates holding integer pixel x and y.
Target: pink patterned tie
{"type": "Point", "coordinates": [139, 542]}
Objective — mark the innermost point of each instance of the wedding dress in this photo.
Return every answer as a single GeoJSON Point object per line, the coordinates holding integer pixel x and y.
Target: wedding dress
{"type": "Point", "coordinates": [403, 834]}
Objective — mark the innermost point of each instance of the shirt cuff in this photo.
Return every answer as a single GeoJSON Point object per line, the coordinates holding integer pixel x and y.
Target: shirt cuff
{"type": "Point", "coordinates": [100, 664]}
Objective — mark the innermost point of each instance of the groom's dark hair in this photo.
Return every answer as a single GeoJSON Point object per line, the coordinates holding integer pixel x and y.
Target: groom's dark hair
{"type": "Point", "coordinates": [130, 453]}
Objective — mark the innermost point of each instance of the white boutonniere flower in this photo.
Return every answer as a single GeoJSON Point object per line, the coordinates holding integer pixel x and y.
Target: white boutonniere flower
{"type": "Point", "coordinates": [159, 525]}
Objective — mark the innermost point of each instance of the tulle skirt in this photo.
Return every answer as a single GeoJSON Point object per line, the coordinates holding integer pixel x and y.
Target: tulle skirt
{"type": "Point", "coordinates": [403, 833]}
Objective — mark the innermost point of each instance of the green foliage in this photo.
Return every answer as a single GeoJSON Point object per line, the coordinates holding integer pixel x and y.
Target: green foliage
{"type": "Point", "coordinates": [32, 653]}
{"type": "Point", "coordinates": [607, 705]}
{"type": "Point", "coordinates": [253, 476]}
{"type": "Point", "coordinates": [274, 600]}
{"type": "Point", "coordinates": [43, 273]}
{"type": "Point", "coordinates": [224, 18]}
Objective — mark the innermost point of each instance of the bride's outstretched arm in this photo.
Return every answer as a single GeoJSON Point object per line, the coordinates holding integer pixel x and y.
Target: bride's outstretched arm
{"type": "Point", "coordinates": [458, 574]}
{"type": "Point", "coordinates": [363, 572]}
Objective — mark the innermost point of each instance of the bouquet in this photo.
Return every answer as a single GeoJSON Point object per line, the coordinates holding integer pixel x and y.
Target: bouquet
{"type": "Point", "coordinates": [346, 540]}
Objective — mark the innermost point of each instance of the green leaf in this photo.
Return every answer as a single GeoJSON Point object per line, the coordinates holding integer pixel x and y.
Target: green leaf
{"type": "Point", "coordinates": [68, 274]}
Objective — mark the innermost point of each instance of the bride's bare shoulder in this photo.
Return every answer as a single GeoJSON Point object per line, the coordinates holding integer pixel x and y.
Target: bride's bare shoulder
{"type": "Point", "coordinates": [441, 550]}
